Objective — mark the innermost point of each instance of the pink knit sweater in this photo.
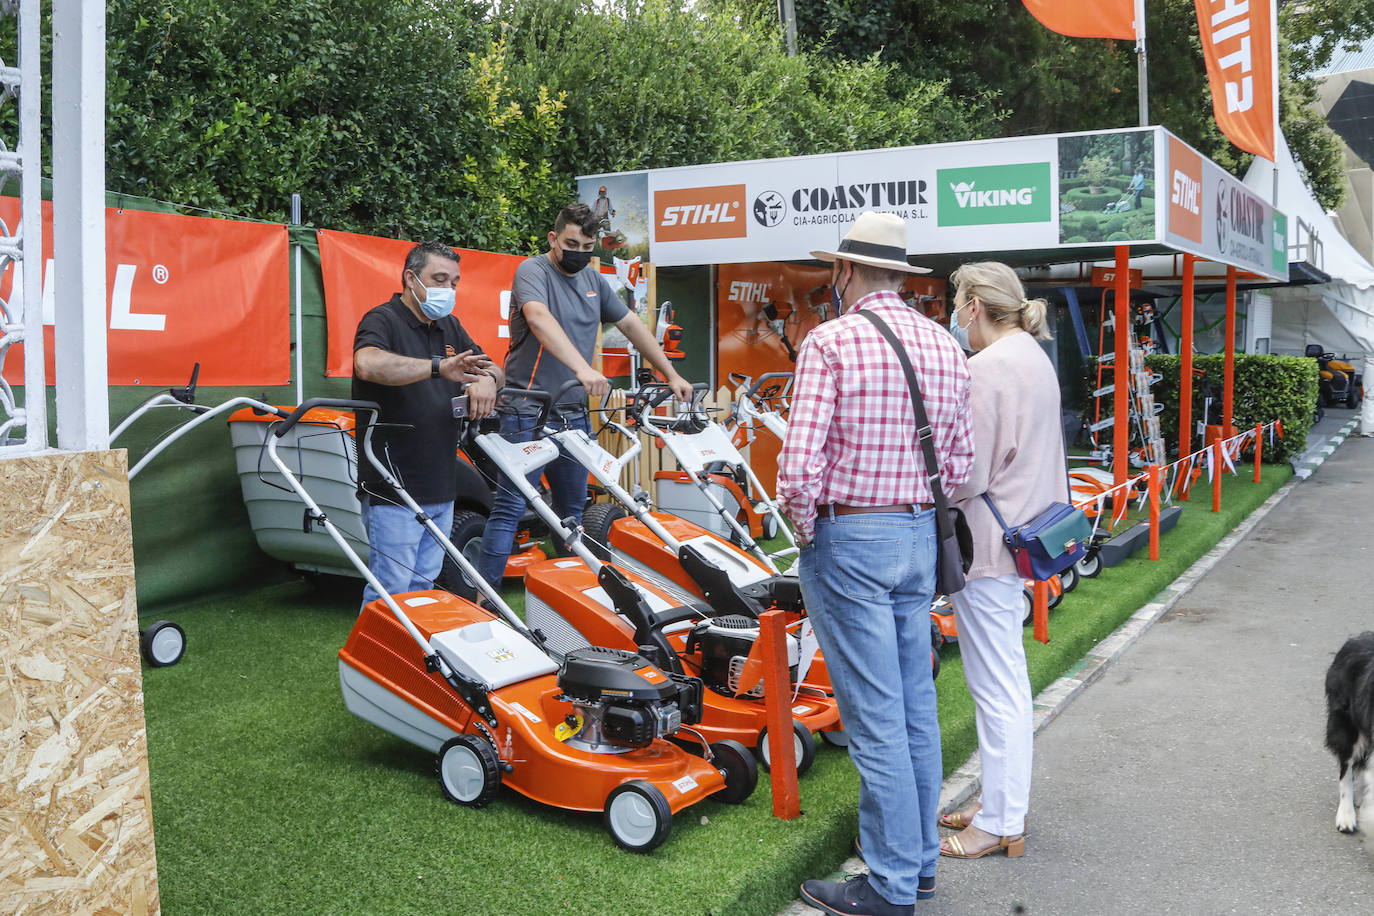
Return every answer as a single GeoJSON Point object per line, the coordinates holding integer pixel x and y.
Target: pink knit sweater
{"type": "Point", "coordinates": [1017, 444]}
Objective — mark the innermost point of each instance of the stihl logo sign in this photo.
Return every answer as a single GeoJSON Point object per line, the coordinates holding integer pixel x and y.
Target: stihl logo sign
{"type": "Point", "coordinates": [693, 214]}
{"type": "Point", "coordinates": [1185, 191]}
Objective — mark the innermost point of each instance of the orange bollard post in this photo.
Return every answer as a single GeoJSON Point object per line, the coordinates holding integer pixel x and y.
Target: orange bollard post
{"type": "Point", "coordinates": [1259, 446]}
{"type": "Point", "coordinates": [1040, 611]}
{"type": "Point", "coordinates": [1217, 466]}
{"type": "Point", "coordinates": [777, 691]}
{"type": "Point", "coordinates": [1153, 472]}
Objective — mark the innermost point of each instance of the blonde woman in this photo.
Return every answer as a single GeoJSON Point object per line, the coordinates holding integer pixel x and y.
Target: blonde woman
{"type": "Point", "coordinates": [1019, 463]}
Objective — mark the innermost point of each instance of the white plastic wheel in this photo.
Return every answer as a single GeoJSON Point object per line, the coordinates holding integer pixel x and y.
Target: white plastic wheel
{"type": "Point", "coordinates": [803, 748]}
{"type": "Point", "coordinates": [638, 816]}
{"type": "Point", "coordinates": [468, 770]}
{"type": "Point", "coordinates": [163, 644]}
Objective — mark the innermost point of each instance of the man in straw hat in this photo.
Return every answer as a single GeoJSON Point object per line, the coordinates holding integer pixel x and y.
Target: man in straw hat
{"type": "Point", "coordinates": [852, 480]}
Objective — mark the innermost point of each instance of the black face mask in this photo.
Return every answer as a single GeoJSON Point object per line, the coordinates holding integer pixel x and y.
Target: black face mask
{"type": "Point", "coordinates": [573, 261]}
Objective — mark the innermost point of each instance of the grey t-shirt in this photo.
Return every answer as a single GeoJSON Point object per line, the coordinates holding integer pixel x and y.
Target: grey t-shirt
{"type": "Point", "coordinates": [580, 304]}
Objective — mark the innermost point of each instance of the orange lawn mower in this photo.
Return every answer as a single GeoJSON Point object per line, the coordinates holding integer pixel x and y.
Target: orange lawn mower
{"type": "Point", "coordinates": [589, 732]}
{"type": "Point", "coordinates": [323, 452]}
{"type": "Point", "coordinates": [582, 601]}
{"type": "Point", "coordinates": [674, 553]}
{"type": "Point", "coordinates": [714, 486]}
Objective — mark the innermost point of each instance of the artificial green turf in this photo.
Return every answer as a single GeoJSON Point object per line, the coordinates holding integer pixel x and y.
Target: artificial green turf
{"type": "Point", "coordinates": [269, 797]}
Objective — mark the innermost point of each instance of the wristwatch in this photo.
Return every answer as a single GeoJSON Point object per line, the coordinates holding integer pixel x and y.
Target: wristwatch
{"type": "Point", "coordinates": [434, 366]}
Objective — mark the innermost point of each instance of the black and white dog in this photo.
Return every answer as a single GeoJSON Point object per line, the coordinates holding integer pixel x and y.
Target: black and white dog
{"type": "Point", "coordinates": [1350, 724]}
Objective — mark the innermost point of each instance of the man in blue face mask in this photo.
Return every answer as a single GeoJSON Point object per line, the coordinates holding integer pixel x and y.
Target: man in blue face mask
{"type": "Point", "coordinates": [412, 356]}
{"type": "Point", "coordinates": [558, 306]}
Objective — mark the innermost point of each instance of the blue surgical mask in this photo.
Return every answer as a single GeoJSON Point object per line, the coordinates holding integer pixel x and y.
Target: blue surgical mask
{"type": "Point", "coordinates": [960, 331]}
{"type": "Point", "coordinates": [438, 302]}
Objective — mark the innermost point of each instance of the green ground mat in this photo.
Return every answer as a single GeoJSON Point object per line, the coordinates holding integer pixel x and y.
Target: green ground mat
{"type": "Point", "coordinates": [269, 797]}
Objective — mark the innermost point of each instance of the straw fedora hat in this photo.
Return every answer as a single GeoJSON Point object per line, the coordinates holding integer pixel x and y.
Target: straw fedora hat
{"type": "Point", "coordinates": [876, 239]}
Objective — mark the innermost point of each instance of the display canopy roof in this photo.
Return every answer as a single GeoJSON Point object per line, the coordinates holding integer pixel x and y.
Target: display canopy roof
{"type": "Point", "coordinates": [1025, 200]}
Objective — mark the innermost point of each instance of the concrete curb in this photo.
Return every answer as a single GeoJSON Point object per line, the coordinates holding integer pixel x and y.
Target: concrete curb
{"type": "Point", "coordinates": [1312, 459]}
{"type": "Point", "coordinates": [965, 782]}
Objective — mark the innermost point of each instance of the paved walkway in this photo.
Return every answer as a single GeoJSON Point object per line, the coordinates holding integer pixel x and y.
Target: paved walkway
{"type": "Point", "coordinates": [1191, 777]}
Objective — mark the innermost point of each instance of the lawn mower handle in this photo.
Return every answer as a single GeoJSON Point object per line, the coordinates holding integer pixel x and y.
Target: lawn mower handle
{"type": "Point", "coordinates": [280, 428]}
{"type": "Point", "coordinates": [763, 378]}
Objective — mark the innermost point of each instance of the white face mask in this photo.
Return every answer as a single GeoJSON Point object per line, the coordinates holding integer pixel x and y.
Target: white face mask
{"type": "Point", "coordinates": [438, 301]}
{"type": "Point", "coordinates": [960, 331]}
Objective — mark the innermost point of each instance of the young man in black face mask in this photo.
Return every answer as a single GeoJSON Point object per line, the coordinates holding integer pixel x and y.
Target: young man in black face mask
{"type": "Point", "coordinates": [558, 307]}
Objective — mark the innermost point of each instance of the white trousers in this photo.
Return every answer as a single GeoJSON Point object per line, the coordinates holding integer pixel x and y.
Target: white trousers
{"type": "Point", "coordinates": [989, 613]}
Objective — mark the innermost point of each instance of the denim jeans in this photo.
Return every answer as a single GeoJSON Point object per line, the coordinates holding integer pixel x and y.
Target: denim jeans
{"type": "Point", "coordinates": [868, 580]}
{"type": "Point", "coordinates": [401, 554]}
{"type": "Point", "coordinates": [567, 484]}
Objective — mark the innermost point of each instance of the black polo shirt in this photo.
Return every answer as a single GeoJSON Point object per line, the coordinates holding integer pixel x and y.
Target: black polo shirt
{"type": "Point", "coordinates": [422, 457]}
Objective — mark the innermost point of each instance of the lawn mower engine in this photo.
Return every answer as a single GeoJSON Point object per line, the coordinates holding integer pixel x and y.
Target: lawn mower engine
{"type": "Point", "coordinates": [725, 643]}
{"type": "Point", "coordinates": [623, 701]}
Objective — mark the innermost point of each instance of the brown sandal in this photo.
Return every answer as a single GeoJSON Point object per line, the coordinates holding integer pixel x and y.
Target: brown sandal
{"type": "Point", "coordinates": [1014, 846]}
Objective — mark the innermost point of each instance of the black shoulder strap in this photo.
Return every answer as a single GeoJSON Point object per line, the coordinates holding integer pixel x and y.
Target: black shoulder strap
{"type": "Point", "coordinates": [923, 430]}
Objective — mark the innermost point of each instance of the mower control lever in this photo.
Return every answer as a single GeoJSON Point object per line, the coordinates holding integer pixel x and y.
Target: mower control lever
{"type": "Point", "coordinates": [279, 429]}
{"type": "Point", "coordinates": [187, 395]}
{"type": "Point", "coordinates": [753, 390]}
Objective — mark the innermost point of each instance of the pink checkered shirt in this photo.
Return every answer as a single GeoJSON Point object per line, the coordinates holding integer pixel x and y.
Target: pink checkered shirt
{"type": "Point", "coordinates": [851, 434]}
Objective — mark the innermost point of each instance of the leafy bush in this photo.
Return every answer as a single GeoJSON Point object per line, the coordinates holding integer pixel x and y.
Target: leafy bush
{"type": "Point", "coordinates": [1075, 239]}
{"type": "Point", "coordinates": [655, 83]}
{"type": "Point", "coordinates": [1094, 170]}
{"type": "Point", "coordinates": [1267, 388]}
{"type": "Point", "coordinates": [1118, 237]}
{"type": "Point", "coordinates": [1115, 223]}
{"type": "Point", "coordinates": [1069, 184]}
{"type": "Point", "coordinates": [1088, 225]}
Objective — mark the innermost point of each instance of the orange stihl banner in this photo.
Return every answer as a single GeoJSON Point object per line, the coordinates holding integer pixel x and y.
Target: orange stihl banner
{"type": "Point", "coordinates": [1086, 18]}
{"type": "Point", "coordinates": [1238, 43]}
{"type": "Point", "coordinates": [361, 271]}
{"type": "Point", "coordinates": [180, 290]}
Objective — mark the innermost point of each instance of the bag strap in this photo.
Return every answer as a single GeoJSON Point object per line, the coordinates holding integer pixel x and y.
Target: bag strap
{"type": "Point", "coordinates": [923, 430]}
{"type": "Point", "coordinates": [995, 514]}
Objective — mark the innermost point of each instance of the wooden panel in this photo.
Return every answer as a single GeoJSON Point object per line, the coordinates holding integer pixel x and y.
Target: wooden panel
{"type": "Point", "coordinates": [76, 833]}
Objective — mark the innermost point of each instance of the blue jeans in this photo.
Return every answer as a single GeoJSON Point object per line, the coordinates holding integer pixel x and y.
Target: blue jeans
{"type": "Point", "coordinates": [567, 484]}
{"type": "Point", "coordinates": [401, 554]}
{"type": "Point", "coordinates": [868, 580]}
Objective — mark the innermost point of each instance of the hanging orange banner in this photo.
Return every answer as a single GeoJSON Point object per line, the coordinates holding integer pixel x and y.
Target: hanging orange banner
{"type": "Point", "coordinates": [1238, 43]}
{"type": "Point", "coordinates": [180, 290]}
{"type": "Point", "coordinates": [362, 271]}
{"type": "Point", "coordinates": [1086, 18]}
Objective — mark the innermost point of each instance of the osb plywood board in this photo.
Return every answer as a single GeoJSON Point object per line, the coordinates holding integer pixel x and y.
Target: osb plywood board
{"type": "Point", "coordinates": [76, 831]}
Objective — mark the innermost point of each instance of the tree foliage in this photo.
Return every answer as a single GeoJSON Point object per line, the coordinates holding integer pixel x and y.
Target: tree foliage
{"type": "Point", "coordinates": [1038, 81]}
{"type": "Point", "coordinates": [654, 83]}
{"type": "Point", "coordinates": [467, 122]}
{"type": "Point", "coordinates": [395, 118]}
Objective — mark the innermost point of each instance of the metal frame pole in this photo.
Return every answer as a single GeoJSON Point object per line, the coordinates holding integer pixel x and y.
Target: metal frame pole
{"type": "Point", "coordinates": [1121, 377]}
{"type": "Point", "coordinates": [1185, 369]}
{"type": "Point", "coordinates": [30, 149]}
{"type": "Point", "coordinates": [78, 205]}
{"type": "Point", "coordinates": [1229, 392]}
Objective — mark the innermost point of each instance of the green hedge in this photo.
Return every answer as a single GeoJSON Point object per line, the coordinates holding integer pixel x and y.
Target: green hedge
{"type": "Point", "coordinates": [1084, 199]}
{"type": "Point", "coordinates": [1267, 387]}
